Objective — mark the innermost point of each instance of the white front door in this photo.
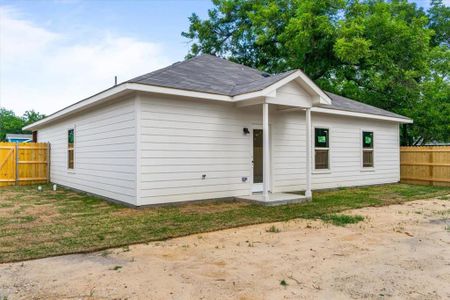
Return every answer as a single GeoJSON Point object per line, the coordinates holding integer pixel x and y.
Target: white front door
{"type": "Point", "coordinates": [257, 159]}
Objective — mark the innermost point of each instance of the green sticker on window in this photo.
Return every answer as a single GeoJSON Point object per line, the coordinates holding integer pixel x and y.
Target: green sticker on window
{"type": "Point", "coordinates": [368, 140]}
{"type": "Point", "coordinates": [322, 139]}
{"type": "Point", "coordinates": [70, 136]}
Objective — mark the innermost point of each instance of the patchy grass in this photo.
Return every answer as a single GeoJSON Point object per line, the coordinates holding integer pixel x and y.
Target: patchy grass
{"type": "Point", "coordinates": [273, 229]}
{"type": "Point", "coordinates": [38, 224]}
{"type": "Point", "coordinates": [342, 220]}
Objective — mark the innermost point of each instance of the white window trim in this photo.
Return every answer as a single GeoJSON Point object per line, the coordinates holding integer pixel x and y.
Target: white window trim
{"type": "Point", "coordinates": [327, 170]}
{"type": "Point", "coordinates": [72, 171]}
{"type": "Point", "coordinates": [367, 169]}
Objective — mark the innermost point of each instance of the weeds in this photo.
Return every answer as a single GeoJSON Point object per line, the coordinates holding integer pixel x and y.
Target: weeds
{"type": "Point", "coordinates": [273, 229]}
{"type": "Point", "coordinates": [342, 220]}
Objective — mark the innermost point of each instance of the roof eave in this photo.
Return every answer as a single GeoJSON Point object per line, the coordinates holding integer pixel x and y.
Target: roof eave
{"type": "Point", "coordinates": [361, 115]}
{"type": "Point", "coordinates": [96, 99]}
{"type": "Point", "coordinates": [298, 74]}
{"type": "Point", "coordinates": [121, 90]}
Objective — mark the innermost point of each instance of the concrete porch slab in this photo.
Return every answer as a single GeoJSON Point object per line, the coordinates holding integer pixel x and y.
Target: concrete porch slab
{"type": "Point", "coordinates": [275, 198]}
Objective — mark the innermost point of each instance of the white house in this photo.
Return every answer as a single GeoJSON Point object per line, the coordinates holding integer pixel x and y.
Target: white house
{"type": "Point", "coordinates": [209, 128]}
{"type": "Point", "coordinates": [18, 138]}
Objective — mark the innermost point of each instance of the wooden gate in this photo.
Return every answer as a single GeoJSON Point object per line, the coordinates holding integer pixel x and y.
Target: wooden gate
{"type": "Point", "coordinates": [425, 165]}
{"type": "Point", "coordinates": [24, 163]}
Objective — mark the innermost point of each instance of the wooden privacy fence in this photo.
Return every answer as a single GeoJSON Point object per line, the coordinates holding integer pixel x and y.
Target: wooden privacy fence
{"type": "Point", "coordinates": [24, 163]}
{"type": "Point", "coordinates": [425, 165]}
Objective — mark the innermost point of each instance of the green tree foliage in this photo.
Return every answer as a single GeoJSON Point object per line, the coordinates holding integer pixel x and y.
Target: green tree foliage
{"type": "Point", "coordinates": [439, 21]}
{"type": "Point", "coordinates": [390, 54]}
{"type": "Point", "coordinates": [10, 123]}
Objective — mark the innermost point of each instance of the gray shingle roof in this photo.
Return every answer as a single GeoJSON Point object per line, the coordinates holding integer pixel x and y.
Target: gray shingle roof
{"type": "Point", "coordinates": [342, 103]}
{"type": "Point", "coordinates": [211, 74]}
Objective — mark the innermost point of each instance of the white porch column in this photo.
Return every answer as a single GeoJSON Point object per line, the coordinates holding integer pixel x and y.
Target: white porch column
{"type": "Point", "coordinates": [308, 193]}
{"type": "Point", "coordinates": [266, 152]}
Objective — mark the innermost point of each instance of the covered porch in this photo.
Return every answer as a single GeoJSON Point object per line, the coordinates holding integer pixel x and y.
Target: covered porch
{"type": "Point", "coordinates": [281, 100]}
{"type": "Point", "coordinates": [264, 194]}
{"type": "Point", "coordinates": [262, 175]}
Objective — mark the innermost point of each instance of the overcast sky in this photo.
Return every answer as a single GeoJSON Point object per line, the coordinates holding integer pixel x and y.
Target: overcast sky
{"type": "Point", "coordinates": [54, 53]}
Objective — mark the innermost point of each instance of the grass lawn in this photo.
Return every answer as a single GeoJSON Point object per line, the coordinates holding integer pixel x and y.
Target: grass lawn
{"type": "Point", "coordinates": [37, 224]}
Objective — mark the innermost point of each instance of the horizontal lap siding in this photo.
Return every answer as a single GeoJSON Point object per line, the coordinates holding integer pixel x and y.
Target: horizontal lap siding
{"type": "Point", "coordinates": [288, 152]}
{"type": "Point", "coordinates": [183, 139]}
{"type": "Point", "coordinates": [105, 151]}
{"type": "Point", "coordinates": [345, 152]}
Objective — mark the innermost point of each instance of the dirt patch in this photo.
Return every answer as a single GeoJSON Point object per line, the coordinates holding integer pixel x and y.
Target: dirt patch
{"type": "Point", "coordinates": [398, 251]}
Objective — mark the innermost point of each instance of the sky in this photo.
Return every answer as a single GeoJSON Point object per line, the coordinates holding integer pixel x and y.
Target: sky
{"type": "Point", "coordinates": [56, 52]}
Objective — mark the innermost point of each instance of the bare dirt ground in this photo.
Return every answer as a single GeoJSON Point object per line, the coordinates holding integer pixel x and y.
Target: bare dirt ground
{"type": "Point", "coordinates": [398, 251]}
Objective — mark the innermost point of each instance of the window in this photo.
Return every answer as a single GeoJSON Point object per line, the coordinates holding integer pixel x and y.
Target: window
{"type": "Point", "coordinates": [70, 148]}
{"type": "Point", "coordinates": [367, 148]}
{"type": "Point", "coordinates": [321, 148]}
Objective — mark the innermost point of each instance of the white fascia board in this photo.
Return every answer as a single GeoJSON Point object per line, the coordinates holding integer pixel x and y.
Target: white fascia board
{"type": "Point", "coordinates": [324, 99]}
{"type": "Point", "coordinates": [250, 102]}
{"type": "Point", "coordinates": [268, 91]}
{"type": "Point", "coordinates": [119, 90]}
{"type": "Point", "coordinates": [83, 104]}
{"type": "Point", "coordinates": [359, 115]}
{"type": "Point", "coordinates": [177, 92]}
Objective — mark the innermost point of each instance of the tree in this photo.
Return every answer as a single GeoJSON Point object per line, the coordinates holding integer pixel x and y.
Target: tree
{"type": "Point", "coordinates": [10, 123]}
{"type": "Point", "coordinates": [378, 52]}
{"type": "Point", "coordinates": [439, 21]}
{"type": "Point", "coordinates": [31, 116]}
{"type": "Point", "coordinates": [432, 112]}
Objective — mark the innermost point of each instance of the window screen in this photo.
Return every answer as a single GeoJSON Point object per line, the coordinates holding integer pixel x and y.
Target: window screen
{"type": "Point", "coordinates": [70, 148]}
{"type": "Point", "coordinates": [321, 151]}
{"type": "Point", "coordinates": [368, 158]}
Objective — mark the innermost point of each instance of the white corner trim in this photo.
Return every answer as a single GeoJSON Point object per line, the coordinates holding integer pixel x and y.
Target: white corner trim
{"type": "Point", "coordinates": [360, 115]}
{"type": "Point", "coordinates": [138, 115]}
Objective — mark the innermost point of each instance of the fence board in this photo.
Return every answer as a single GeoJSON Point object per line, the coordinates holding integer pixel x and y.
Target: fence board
{"type": "Point", "coordinates": [24, 164]}
{"type": "Point", "coordinates": [425, 165]}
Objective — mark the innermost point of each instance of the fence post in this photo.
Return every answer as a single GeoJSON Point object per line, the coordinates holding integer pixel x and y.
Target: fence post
{"type": "Point", "coordinates": [431, 167]}
{"type": "Point", "coordinates": [16, 171]}
{"type": "Point", "coordinates": [48, 162]}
